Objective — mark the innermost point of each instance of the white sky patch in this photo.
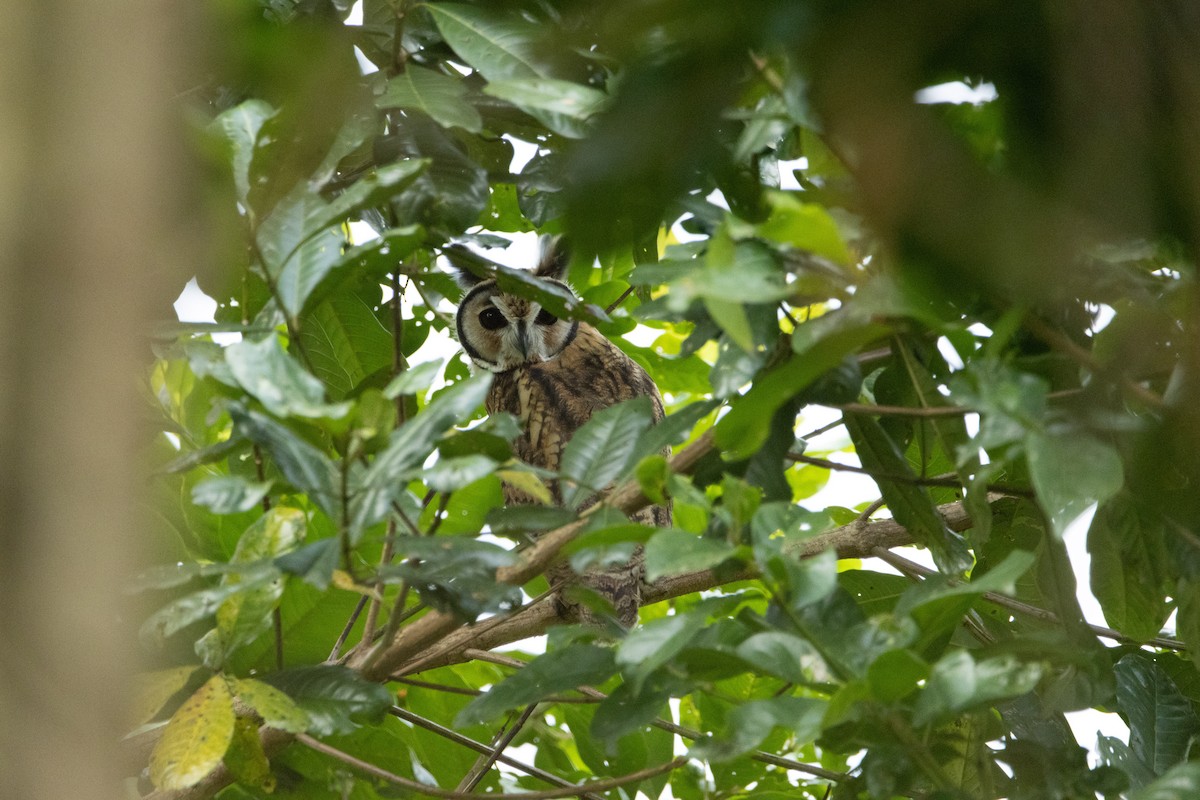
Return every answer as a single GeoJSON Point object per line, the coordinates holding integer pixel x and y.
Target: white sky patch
{"type": "Point", "coordinates": [949, 353]}
{"type": "Point", "coordinates": [1075, 538]}
{"type": "Point", "coordinates": [1104, 315]}
{"type": "Point", "coordinates": [523, 153]}
{"type": "Point", "coordinates": [356, 14]}
{"type": "Point", "coordinates": [956, 92]}
{"type": "Point", "coordinates": [193, 305]}
{"type": "Point", "coordinates": [787, 174]}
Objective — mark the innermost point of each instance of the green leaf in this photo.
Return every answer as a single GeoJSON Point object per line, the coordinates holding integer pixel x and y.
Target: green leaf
{"type": "Point", "coordinates": [1161, 719]}
{"type": "Point", "coordinates": [455, 573]}
{"type": "Point", "coordinates": [563, 106]}
{"type": "Point", "coordinates": [274, 706]}
{"type": "Point", "coordinates": [305, 467]}
{"type": "Point", "coordinates": [246, 615]}
{"type": "Point", "coordinates": [449, 474]}
{"type": "Point", "coordinates": [240, 126]}
{"type": "Point", "coordinates": [296, 253]}
{"type": "Point", "coordinates": [910, 504]}
{"type": "Point", "coordinates": [602, 449]}
{"type": "Point", "coordinates": [499, 45]}
{"type": "Point", "coordinates": [409, 446]}
{"type": "Point", "coordinates": [742, 431]}
{"type": "Point", "coordinates": [673, 552]}
{"type": "Point", "coordinates": [751, 722]}
{"type": "Point", "coordinates": [556, 671]}
{"type": "Point", "coordinates": [650, 646]}
{"type": "Point", "coordinates": [1181, 782]}
{"type": "Point", "coordinates": [336, 699]}
{"type": "Point", "coordinates": [806, 226]}
{"type": "Point", "coordinates": [278, 381]}
{"type": "Point", "coordinates": [417, 378]}
{"type": "Point", "coordinates": [345, 342]}
{"type": "Point", "coordinates": [1129, 570]}
{"type": "Point", "coordinates": [196, 738]}
{"type": "Point", "coordinates": [190, 608]}
{"type": "Point", "coordinates": [1071, 472]}
{"type": "Point", "coordinates": [957, 682]}
{"type": "Point", "coordinates": [780, 654]}
{"type": "Point", "coordinates": [438, 95]}
{"type": "Point", "coordinates": [229, 494]}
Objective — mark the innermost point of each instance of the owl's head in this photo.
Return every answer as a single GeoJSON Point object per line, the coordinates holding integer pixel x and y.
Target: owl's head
{"type": "Point", "coordinates": [501, 331]}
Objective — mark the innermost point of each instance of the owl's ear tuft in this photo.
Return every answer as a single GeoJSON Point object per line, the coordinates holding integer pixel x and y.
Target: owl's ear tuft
{"type": "Point", "coordinates": [555, 258]}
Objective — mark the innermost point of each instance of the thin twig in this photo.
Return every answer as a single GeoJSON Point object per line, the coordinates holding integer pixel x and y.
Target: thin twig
{"type": "Point", "coordinates": [613, 306]}
{"type": "Point", "coordinates": [442, 687]}
{"type": "Point", "coordinates": [668, 726]}
{"type": "Point", "coordinates": [485, 761]}
{"type": "Point", "coordinates": [433, 791]}
{"type": "Point", "coordinates": [912, 568]}
{"type": "Point", "coordinates": [903, 411]}
{"type": "Point", "coordinates": [1061, 342]}
{"type": "Point", "coordinates": [385, 558]}
{"type": "Point", "coordinates": [480, 747]}
{"type": "Point", "coordinates": [335, 653]}
{"type": "Point", "coordinates": [938, 481]}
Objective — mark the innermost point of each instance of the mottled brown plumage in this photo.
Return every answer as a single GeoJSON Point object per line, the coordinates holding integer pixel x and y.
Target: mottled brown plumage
{"type": "Point", "coordinates": [552, 375]}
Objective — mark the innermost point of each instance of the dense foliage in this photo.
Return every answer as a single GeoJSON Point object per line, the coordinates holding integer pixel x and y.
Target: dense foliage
{"type": "Point", "coordinates": [998, 300]}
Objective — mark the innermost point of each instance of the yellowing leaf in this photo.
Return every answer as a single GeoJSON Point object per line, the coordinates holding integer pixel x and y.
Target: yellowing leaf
{"type": "Point", "coordinates": [246, 759]}
{"type": "Point", "coordinates": [155, 688]}
{"type": "Point", "coordinates": [274, 706]}
{"type": "Point", "coordinates": [528, 483]}
{"type": "Point", "coordinates": [344, 580]}
{"type": "Point", "coordinates": [196, 738]}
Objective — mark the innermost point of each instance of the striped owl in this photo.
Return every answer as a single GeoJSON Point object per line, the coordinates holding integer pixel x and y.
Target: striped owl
{"type": "Point", "coordinates": [553, 374]}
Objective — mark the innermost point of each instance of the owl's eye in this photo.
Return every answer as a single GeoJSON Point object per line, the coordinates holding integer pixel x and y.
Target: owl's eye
{"type": "Point", "coordinates": [492, 319]}
{"type": "Point", "coordinates": [544, 317]}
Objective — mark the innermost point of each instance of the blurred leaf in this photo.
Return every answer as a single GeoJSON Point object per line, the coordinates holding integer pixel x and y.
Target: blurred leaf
{"type": "Point", "coordinates": [195, 740]}
{"type": "Point", "coordinates": [153, 689]}
{"type": "Point", "coordinates": [305, 467]}
{"type": "Point", "coordinates": [563, 106]}
{"type": "Point", "coordinates": [278, 381]}
{"type": "Point", "coordinates": [1181, 781]}
{"type": "Point", "coordinates": [417, 378]}
{"type": "Point", "coordinates": [1070, 473]}
{"type": "Point", "coordinates": [229, 494]}
{"type": "Point", "coordinates": [245, 757]}
{"type": "Point", "coordinates": [448, 474]}
{"type": "Point", "coordinates": [455, 574]}
{"type": "Point", "coordinates": [750, 723]}
{"type": "Point", "coordinates": [497, 44]}
{"type": "Point", "coordinates": [276, 708]}
{"type": "Point", "coordinates": [1162, 722]}
{"type": "Point", "coordinates": [335, 698]}
{"type": "Point", "coordinates": [909, 503]}
{"type": "Point", "coordinates": [409, 446]}
{"type": "Point", "coordinates": [780, 654]}
{"type": "Point", "coordinates": [673, 552]}
{"type": "Point", "coordinates": [240, 126]}
{"type": "Point", "coordinates": [438, 95]}
{"type": "Point", "coordinates": [556, 671]}
{"type": "Point", "coordinates": [958, 682]}
{"type": "Point", "coordinates": [1129, 570]}
{"type": "Point", "coordinates": [650, 646]}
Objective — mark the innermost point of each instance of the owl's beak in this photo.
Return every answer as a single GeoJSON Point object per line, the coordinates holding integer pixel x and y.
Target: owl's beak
{"type": "Point", "coordinates": [522, 340]}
